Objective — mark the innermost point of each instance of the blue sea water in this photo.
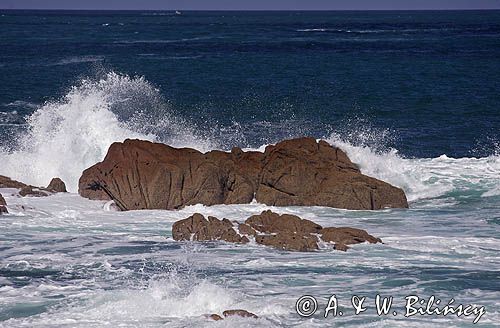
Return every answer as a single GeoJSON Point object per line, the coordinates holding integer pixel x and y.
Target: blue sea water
{"type": "Point", "coordinates": [412, 97]}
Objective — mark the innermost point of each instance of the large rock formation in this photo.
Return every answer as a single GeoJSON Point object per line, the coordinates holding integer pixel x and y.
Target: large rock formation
{"type": "Point", "coordinates": [3, 205]}
{"type": "Point", "coordinates": [285, 232]}
{"type": "Point", "coordinates": [144, 175]}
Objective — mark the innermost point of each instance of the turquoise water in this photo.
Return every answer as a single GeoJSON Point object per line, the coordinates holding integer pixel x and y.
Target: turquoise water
{"type": "Point", "coordinates": [412, 97]}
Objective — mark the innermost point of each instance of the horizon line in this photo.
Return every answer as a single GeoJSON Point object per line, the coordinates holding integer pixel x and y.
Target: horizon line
{"type": "Point", "coordinates": [256, 10]}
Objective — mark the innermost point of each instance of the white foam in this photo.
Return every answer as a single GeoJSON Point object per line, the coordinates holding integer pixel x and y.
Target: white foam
{"type": "Point", "coordinates": [68, 135]}
{"type": "Point", "coordinates": [424, 178]}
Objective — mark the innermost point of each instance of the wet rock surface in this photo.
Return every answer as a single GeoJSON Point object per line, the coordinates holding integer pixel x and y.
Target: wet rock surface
{"type": "Point", "coordinates": [284, 232]}
{"type": "Point", "coordinates": [3, 205]}
{"type": "Point", "coordinates": [199, 228]}
{"type": "Point", "coordinates": [230, 313]}
{"type": "Point", "coordinates": [144, 175]}
{"type": "Point", "coordinates": [56, 185]}
{"type": "Point", "coordinates": [6, 182]}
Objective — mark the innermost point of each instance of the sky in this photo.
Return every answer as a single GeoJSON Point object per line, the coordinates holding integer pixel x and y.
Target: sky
{"type": "Point", "coordinates": [251, 4]}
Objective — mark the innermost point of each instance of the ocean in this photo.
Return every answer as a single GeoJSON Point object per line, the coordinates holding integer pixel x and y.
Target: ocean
{"type": "Point", "coordinates": [412, 97]}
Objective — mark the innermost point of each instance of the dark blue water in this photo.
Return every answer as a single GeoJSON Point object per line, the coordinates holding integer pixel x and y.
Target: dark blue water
{"type": "Point", "coordinates": [432, 79]}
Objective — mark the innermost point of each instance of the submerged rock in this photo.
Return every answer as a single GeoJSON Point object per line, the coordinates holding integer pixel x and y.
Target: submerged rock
{"type": "Point", "coordinates": [347, 236]}
{"type": "Point", "coordinates": [3, 205]}
{"type": "Point", "coordinates": [144, 175]}
{"type": "Point", "coordinates": [33, 192]}
{"type": "Point", "coordinates": [230, 313]}
{"type": "Point", "coordinates": [284, 232]}
{"type": "Point", "coordinates": [241, 313]}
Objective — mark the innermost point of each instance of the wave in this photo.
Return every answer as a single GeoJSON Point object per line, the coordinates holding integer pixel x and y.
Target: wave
{"type": "Point", "coordinates": [159, 41]}
{"type": "Point", "coordinates": [65, 136]}
{"type": "Point", "coordinates": [423, 178]}
{"type": "Point", "coordinates": [79, 60]}
{"type": "Point", "coordinates": [21, 103]}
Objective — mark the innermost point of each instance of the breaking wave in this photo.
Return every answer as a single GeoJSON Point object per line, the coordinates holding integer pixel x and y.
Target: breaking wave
{"type": "Point", "coordinates": [422, 178]}
{"type": "Point", "coordinates": [65, 136]}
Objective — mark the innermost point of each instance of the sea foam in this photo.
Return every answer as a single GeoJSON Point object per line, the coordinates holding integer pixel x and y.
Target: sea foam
{"type": "Point", "coordinates": [67, 135]}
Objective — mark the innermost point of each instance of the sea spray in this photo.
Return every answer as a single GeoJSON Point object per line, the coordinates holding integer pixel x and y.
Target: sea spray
{"type": "Point", "coordinates": [424, 178]}
{"type": "Point", "coordinates": [65, 136]}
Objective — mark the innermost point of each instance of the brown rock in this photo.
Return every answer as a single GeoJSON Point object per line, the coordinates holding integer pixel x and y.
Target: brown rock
{"type": "Point", "coordinates": [6, 182]}
{"type": "Point", "coordinates": [215, 317]}
{"type": "Point", "coordinates": [270, 222]}
{"type": "Point", "coordinates": [285, 232]}
{"type": "Point", "coordinates": [3, 205]}
{"type": "Point", "coordinates": [144, 175]}
{"type": "Point", "coordinates": [31, 191]}
{"type": "Point", "coordinates": [347, 236]}
{"type": "Point", "coordinates": [196, 227]}
{"type": "Point", "coordinates": [245, 229]}
{"type": "Point", "coordinates": [241, 313]}
{"type": "Point", "coordinates": [304, 172]}
{"type": "Point", "coordinates": [56, 185]}
{"type": "Point", "coordinates": [289, 241]}
{"type": "Point", "coordinates": [341, 247]}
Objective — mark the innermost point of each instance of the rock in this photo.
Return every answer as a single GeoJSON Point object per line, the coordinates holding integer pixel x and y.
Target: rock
{"type": "Point", "coordinates": [56, 185]}
{"type": "Point", "coordinates": [245, 229]}
{"type": "Point", "coordinates": [144, 175]}
{"type": "Point", "coordinates": [215, 317]}
{"type": "Point", "coordinates": [347, 236]}
{"type": "Point", "coordinates": [289, 241]}
{"type": "Point", "coordinates": [196, 227]}
{"type": "Point", "coordinates": [33, 192]}
{"type": "Point", "coordinates": [6, 182]}
{"type": "Point", "coordinates": [241, 313]}
{"type": "Point", "coordinates": [284, 232]}
{"type": "Point", "coordinates": [3, 205]}
{"type": "Point", "coordinates": [270, 222]}
{"type": "Point", "coordinates": [287, 232]}
{"type": "Point", "coordinates": [230, 313]}
{"type": "Point", "coordinates": [306, 173]}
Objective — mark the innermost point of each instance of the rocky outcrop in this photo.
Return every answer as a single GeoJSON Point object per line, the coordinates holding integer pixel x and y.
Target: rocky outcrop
{"type": "Point", "coordinates": [3, 205]}
{"type": "Point", "coordinates": [196, 227]}
{"type": "Point", "coordinates": [33, 192]}
{"type": "Point", "coordinates": [230, 313]}
{"type": "Point", "coordinates": [6, 182]}
{"type": "Point", "coordinates": [285, 232]}
{"type": "Point", "coordinates": [144, 175]}
{"type": "Point", "coordinates": [347, 236]}
{"type": "Point", "coordinates": [56, 185]}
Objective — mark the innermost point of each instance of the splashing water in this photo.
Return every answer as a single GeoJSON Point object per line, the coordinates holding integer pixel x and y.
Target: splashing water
{"type": "Point", "coordinates": [66, 136]}
{"type": "Point", "coordinates": [422, 178]}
